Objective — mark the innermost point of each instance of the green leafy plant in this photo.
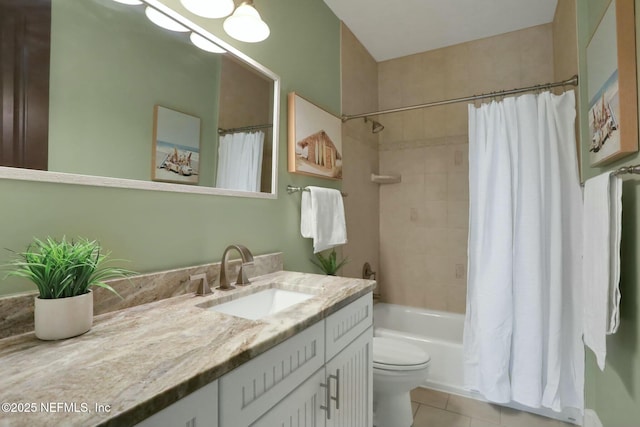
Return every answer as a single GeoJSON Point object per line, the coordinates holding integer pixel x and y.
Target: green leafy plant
{"type": "Point", "coordinates": [62, 269]}
{"type": "Point", "coordinates": [329, 264]}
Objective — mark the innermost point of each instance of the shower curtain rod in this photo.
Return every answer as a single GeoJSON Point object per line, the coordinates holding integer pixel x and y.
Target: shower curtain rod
{"type": "Point", "coordinates": [243, 129]}
{"type": "Point", "coordinates": [573, 81]}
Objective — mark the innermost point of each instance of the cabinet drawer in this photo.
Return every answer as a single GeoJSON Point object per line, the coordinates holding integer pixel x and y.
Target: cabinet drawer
{"type": "Point", "coordinates": [199, 408]}
{"type": "Point", "coordinates": [345, 325]}
{"type": "Point", "coordinates": [250, 390]}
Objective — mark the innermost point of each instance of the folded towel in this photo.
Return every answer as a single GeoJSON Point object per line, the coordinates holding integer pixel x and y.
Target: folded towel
{"type": "Point", "coordinates": [616, 230]}
{"type": "Point", "coordinates": [601, 261]}
{"type": "Point", "coordinates": [322, 218]}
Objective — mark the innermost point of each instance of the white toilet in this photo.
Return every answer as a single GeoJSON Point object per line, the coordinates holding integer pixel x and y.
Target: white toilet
{"type": "Point", "coordinates": [398, 367]}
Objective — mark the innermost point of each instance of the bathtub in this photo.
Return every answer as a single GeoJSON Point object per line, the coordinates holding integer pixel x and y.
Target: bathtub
{"type": "Point", "coordinates": [439, 333]}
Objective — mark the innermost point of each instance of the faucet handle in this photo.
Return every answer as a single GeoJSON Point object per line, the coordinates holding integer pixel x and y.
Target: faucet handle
{"type": "Point", "coordinates": [367, 272]}
{"type": "Point", "coordinates": [203, 287]}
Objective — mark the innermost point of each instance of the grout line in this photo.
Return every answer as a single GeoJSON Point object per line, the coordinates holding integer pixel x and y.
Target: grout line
{"type": "Point", "coordinates": [417, 409]}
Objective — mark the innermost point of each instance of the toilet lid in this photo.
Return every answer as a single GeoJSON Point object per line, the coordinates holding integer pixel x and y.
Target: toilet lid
{"type": "Point", "coordinates": [392, 354]}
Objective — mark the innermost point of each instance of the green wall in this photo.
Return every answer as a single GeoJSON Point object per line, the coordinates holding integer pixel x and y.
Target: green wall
{"type": "Point", "coordinates": [161, 230]}
{"type": "Point", "coordinates": [109, 68]}
{"type": "Point", "coordinates": [615, 393]}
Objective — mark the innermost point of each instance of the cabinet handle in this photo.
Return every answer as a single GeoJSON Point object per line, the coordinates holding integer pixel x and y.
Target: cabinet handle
{"type": "Point", "coordinates": [337, 378]}
{"type": "Point", "coordinates": [327, 398]}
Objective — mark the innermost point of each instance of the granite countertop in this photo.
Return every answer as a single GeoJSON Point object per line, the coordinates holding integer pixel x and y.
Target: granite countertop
{"type": "Point", "coordinates": [137, 361]}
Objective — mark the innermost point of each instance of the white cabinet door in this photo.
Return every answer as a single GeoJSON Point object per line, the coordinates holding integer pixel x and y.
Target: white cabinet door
{"type": "Point", "coordinates": [350, 375]}
{"type": "Point", "coordinates": [199, 409]}
{"type": "Point", "coordinates": [302, 408]}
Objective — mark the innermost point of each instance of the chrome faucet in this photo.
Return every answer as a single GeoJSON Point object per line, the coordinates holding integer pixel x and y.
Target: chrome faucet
{"type": "Point", "coordinates": [247, 260]}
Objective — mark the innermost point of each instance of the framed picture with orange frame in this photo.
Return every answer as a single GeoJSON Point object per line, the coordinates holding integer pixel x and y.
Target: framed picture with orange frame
{"type": "Point", "coordinates": [314, 139]}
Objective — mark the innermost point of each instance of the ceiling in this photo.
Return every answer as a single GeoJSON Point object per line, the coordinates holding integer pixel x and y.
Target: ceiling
{"type": "Point", "coordinates": [394, 28]}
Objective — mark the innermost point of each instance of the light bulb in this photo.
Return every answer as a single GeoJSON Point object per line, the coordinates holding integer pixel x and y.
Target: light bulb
{"type": "Point", "coordinates": [209, 8]}
{"type": "Point", "coordinates": [246, 25]}
{"type": "Point", "coordinates": [205, 44]}
{"type": "Point", "coordinates": [162, 20]}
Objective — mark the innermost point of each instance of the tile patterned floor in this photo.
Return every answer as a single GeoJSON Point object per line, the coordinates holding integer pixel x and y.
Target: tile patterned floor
{"type": "Point", "coordinates": [436, 409]}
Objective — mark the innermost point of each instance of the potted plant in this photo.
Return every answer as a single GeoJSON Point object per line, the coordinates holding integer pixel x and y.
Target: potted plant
{"type": "Point", "coordinates": [329, 264]}
{"type": "Point", "coordinates": [64, 273]}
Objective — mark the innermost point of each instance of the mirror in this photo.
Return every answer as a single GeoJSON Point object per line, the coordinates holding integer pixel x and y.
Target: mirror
{"type": "Point", "coordinates": [112, 70]}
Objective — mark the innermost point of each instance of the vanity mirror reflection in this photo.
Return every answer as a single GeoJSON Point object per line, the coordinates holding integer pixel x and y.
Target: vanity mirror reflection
{"type": "Point", "coordinates": [110, 68]}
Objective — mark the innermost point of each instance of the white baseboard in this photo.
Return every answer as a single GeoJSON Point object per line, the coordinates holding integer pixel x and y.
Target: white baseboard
{"type": "Point", "coordinates": [591, 419]}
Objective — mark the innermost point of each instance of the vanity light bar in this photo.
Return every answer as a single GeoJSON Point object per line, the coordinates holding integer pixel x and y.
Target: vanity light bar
{"type": "Point", "coordinates": [163, 19]}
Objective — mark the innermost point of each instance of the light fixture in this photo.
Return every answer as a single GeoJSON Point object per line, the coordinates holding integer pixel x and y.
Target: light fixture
{"type": "Point", "coordinates": [246, 25]}
{"type": "Point", "coordinates": [130, 2]}
{"type": "Point", "coordinates": [205, 44]}
{"type": "Point", "coordinates": [209, 8]}
{"type": "Point", "coordinates": [162, 20]}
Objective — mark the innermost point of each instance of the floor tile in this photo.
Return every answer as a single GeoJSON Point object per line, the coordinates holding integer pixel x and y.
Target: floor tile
{"type": "Point", "coordinates": [414, 408]}
{"type": "Point", "coordinates": [474, 408]}
{"type": "Point", "coordinates": [429, 397]}
{"type": "Point", "coordinates": [428, 416]}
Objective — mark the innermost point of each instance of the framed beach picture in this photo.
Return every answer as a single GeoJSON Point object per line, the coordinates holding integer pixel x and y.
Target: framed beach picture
{"type": "Point", "coordinates": [612, 87]}
{"type": "Point", "coordinates": [176, 146]}
{"type": "Point", "coordinates": [314, 139]}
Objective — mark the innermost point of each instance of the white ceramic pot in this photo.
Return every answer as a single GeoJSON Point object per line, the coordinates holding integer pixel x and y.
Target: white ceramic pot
{"type": "Point", "coordinates": [57, 319]}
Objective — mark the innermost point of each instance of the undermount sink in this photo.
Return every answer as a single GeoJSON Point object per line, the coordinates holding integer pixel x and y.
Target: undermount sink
{"type": "Point", "coordinates": [261, 304]}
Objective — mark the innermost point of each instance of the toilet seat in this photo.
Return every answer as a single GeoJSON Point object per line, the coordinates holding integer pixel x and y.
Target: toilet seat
{"type": "Point", "coordinates": [395, 355]}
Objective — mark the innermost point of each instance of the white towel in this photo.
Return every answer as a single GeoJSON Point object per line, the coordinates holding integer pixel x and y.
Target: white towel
{"type": "Point", "coordinates": [322, 218]}
{"type": "Point", "coordinates": [601, 261]}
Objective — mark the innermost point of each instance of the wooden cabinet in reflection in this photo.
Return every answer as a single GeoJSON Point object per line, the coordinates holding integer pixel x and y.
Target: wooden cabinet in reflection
{"type": "Point", "coordinates": [25, 27]}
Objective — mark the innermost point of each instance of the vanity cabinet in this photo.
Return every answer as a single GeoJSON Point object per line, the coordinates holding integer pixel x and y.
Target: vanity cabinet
{"type": "Point", "coordinates": [350, 377]}
{"type": "Point", "coordinates": [349, 364]}
{"type": "Point", "coordinates": [276, 388]}
{"type": "Point", "coordinates": [199, 409]}
{"type": "Point", "coordinates": [252, 389]}
{"type": "Point", "coordinates": [320, 377]}
{"type": "Point", "coordinates": [301, 408]}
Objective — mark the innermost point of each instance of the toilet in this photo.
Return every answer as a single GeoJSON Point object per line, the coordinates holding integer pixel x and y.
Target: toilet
{"type": "Point", "coordinates": [398, 367]}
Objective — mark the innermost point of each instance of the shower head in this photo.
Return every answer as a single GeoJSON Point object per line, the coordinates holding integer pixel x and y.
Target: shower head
{"type": "Point", "coordinates": [375, 126]}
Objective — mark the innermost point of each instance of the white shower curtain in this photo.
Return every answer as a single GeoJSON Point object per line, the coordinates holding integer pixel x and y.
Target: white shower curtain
{"type": "Point", "coordinates": [240, 161]}
{"type": "Point", "coordinates": [522, 337]}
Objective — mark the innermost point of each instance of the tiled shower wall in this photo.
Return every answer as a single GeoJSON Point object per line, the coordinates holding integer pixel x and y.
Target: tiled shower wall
{"type": "Point", "coordinates": [424, 219]}
{"type": "Point", "coordinates": [360, 151]}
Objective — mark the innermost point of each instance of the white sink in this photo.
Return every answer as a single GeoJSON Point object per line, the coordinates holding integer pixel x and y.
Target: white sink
{"type": "Point", "coordinates": [261, 304]}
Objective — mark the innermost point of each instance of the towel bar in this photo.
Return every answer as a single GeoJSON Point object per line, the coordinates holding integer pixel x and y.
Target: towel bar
{"type": "Point", "coordinates": [291, 189]}
{"type": "Point", "coordinates": [635, 169]}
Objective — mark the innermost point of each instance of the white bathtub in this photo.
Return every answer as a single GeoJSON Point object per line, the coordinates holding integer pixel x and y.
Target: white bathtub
{"type": "Point", "coordinates": [439, 333]}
